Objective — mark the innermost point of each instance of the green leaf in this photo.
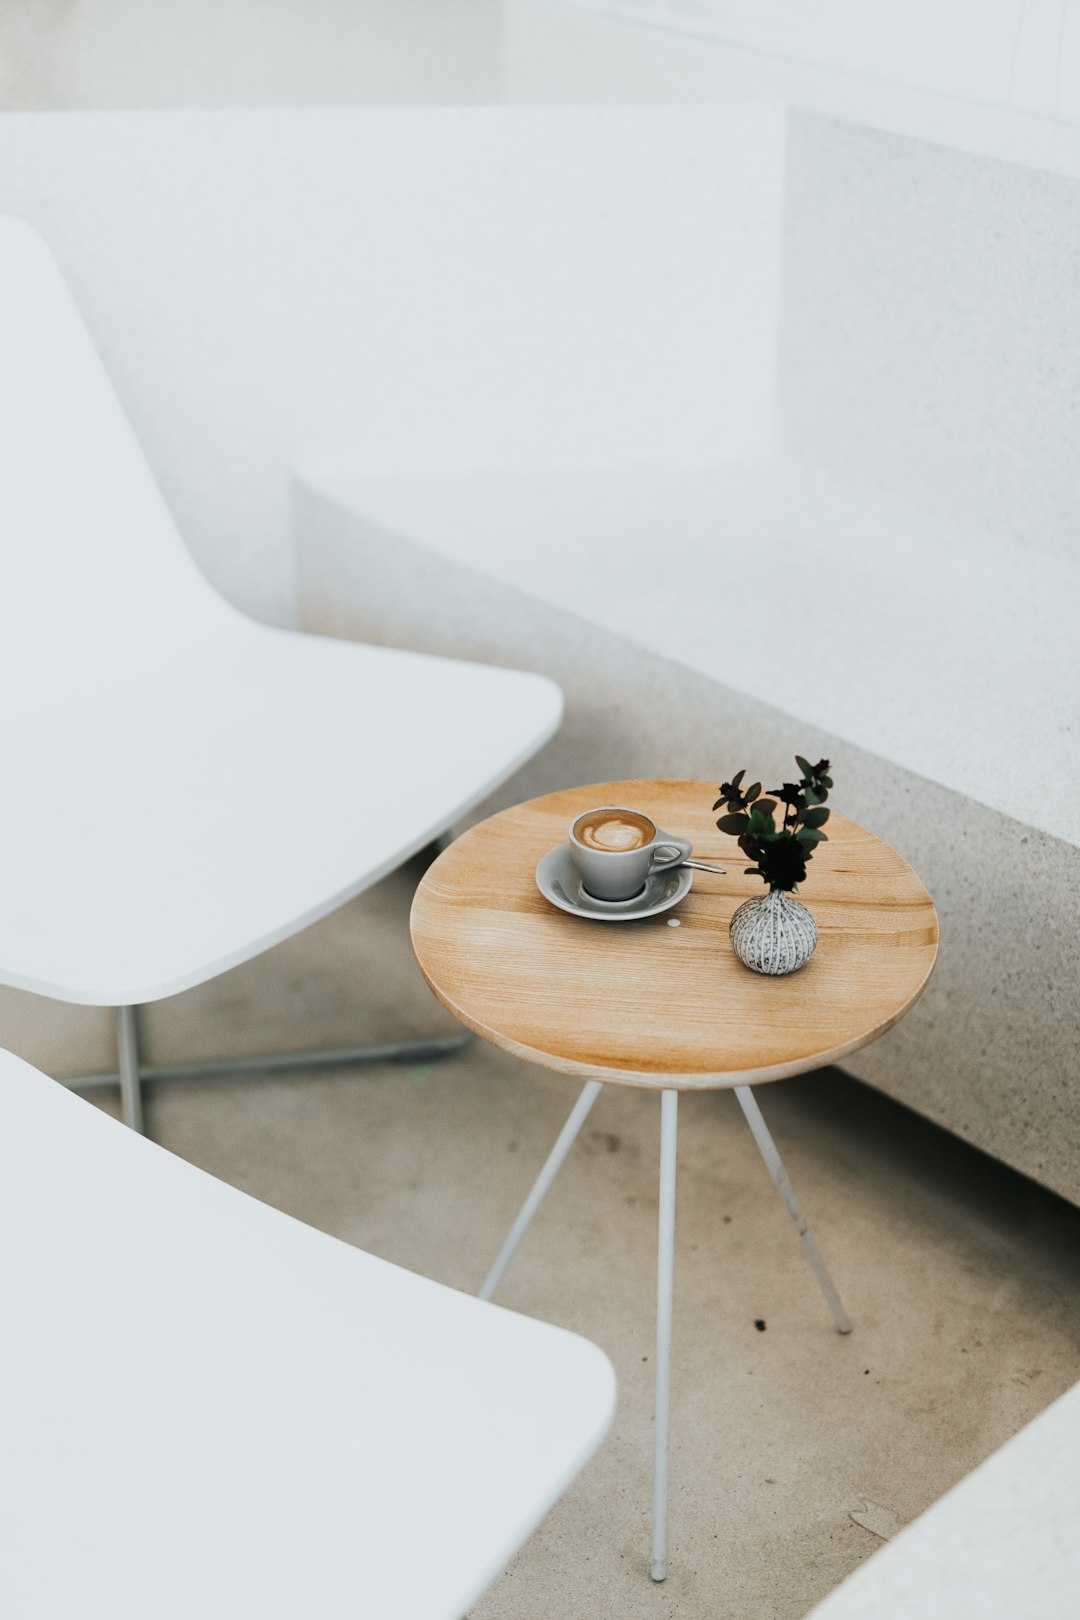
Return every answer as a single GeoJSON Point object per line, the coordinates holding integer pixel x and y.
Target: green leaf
{"type": "Point", "coordinates": [734, 824]}
{"type": "Point", "coordinates": [804, 766]}
{"type": "Point", "coordinates": [815, 818]}
{"type": "Point", "coordinates": [735, 780]}
{"type": "Point", "coordinates": [718, 803]}
{"type": "Point", "coordinates": [810, 835]}
{"type": "Point", "coordinates": [812, 797]}
{"type": "Point", "coordinates": [752, 793]}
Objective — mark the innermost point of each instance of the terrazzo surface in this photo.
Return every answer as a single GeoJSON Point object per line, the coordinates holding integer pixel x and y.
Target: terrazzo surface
{"type": "Point", "coordinates": [659, 556]}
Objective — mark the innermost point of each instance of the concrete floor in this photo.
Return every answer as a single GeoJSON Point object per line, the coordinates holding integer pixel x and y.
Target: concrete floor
{"type": "Point", "coordinates": [794, 1450]}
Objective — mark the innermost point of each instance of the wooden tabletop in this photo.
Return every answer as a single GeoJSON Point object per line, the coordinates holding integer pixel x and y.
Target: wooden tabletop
{"type": "Point", "coordinates": [645, 1004]}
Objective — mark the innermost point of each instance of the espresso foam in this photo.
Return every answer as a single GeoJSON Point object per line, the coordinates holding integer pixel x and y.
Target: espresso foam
{"type": "Point", "coordinates": [614, 833]}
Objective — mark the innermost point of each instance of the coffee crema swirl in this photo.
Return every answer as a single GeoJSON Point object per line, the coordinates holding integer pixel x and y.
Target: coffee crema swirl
{"type": "Point", "coordinates": [614, 832]}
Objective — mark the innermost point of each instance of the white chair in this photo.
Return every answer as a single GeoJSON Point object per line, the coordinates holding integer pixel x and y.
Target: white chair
{"type": "Point", "coordinates": [184, 787]}
{"type": "Point", "coordinates": [209, 1409]}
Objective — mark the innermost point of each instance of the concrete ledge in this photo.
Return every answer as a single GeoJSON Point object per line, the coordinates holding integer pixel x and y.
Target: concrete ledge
{"type": "Point", "coordinates": [990, 1050]}
{"type": "Point", "coordinates": [999, 1545]}
{"type": "Point", "coordinates": [946, 649]}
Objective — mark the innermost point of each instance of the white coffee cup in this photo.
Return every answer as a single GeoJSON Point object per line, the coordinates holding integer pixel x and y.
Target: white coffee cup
{"type": "Point", "coordinates": [616, 850]}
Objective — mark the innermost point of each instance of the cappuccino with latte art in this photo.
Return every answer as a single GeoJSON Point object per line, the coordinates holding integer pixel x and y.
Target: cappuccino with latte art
{"type": "Point", "coordinates": [615, 830]}
{"type": "Point", "coordinates": [617, 851]}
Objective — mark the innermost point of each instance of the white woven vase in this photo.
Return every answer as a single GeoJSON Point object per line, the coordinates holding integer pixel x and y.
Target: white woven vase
{"type": "Point", "coordinates": [773, 933]}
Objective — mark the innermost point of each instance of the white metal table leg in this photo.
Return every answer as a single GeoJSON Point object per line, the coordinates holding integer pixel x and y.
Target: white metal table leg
{"type": "Point", "coordinates": [127, 1048]}
{"type": "Point", "coordinates": [665, 1288]}
{"type": "Point", "coordinates": [553, 1164]}
{"type": "Point", "coordinates": [749, 1106]}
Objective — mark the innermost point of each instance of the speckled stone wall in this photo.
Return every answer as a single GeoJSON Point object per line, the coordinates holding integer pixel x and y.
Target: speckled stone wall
{"type": "Point", "coordinates": [990, 1050]}
{"type": "Point", "coordinates": [930, 328]}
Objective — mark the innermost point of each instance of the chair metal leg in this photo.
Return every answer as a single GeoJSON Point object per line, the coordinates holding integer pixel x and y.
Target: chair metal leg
{"type": "Point", "coordinates": [341, 1057]}
{"type": "Point", "coordinates": [130, 1078]}
{"type": "Point", "coordinates": [127, 1050]}
{"type": "Point", "coordinates": [552, 1165]}
{"type": "Point", "coordinates": [749, 1106]}
{"type": "Point", "coordinates": [665, 1290]}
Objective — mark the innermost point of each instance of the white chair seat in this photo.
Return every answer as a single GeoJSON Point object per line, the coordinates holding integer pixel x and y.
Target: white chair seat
{"type": "Point", "coordinates": [233, 793]}
{"type": "Point", "coordinates": [210, 1409]}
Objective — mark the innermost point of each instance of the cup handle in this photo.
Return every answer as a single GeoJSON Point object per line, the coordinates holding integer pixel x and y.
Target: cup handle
{"type": "Point", "coordinates": [675, 851]}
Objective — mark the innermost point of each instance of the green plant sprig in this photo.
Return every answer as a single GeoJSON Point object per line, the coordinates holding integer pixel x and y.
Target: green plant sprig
{"type": "Point", "coordinates": [779, 853]}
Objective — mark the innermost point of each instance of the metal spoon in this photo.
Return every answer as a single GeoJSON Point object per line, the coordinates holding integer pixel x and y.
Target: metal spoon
{"type": "Point", "coordinates": [703, 866]}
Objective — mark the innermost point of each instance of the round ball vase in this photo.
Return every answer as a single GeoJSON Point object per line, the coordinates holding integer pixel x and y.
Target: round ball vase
{"type": "Point", "coordinates": [773, 933]}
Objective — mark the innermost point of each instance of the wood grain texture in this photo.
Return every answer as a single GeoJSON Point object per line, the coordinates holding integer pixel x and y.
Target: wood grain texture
{"type": "Point", "coordinates": [644, 1004]}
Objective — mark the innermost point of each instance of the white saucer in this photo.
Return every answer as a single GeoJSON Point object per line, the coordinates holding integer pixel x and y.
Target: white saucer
{"type": "Point", "coordinates": [558, 881]}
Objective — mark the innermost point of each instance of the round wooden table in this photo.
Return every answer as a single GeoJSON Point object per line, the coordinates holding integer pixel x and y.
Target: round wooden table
{"type": "Point", "coordinates": [647, 1004]}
